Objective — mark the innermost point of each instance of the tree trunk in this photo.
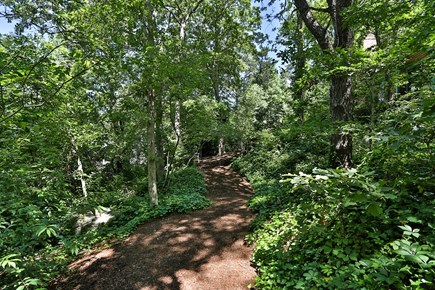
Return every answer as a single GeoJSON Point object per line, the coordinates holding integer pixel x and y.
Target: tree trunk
{"type": "Point", "coordinates": [151, 148]}
{"type": "Point", "coordinates": [341, 83]}
{"type": "Point", "coordinates": [80, 171]}
{"type": "Point", "coordinates": [176, 125]}
{"type": "Point", "coordinates": [341, 110]}
{"type": "Point", "coordinates": [341, 87]}
{"type": "Point", "coordinates": [340, 102]}
{"type": "Point", "coordinates": [159, 141]}
{"type": "Point", "coordinates": [149, 34]}
{"type": "Point", "coordinates": [81, 174]}
{"type": "Point", "coordinates": [221, 147]}
{"type": "Point", "coordinates": [177, 120]}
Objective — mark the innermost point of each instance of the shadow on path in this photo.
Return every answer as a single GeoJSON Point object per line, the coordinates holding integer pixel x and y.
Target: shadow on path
{"type": "Point", "coordinates": [201, 250]}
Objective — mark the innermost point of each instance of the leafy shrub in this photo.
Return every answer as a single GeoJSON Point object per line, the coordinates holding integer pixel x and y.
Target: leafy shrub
{"type": "Point", "coordinates": [302, 148]}
{"type": "Point", "coordinates": [185, 192]}
{"type": "Point", "coordinates": [365, 228]}
{"type": "Point", "coordinates": [183, 203]}
{"type": "Point", "coordinates": [38, 237]}
{"type": "Point", "coordinates": [340, 229]}
{"type": "Point", "coordinates": [186, 180]}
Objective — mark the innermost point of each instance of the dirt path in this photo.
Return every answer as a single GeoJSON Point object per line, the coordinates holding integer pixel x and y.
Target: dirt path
{"type": "Point", "coordinates": [196, 251]}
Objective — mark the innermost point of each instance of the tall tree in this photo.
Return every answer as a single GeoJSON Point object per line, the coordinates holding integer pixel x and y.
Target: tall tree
{"type": "Point", "coordinates": [341, 82]}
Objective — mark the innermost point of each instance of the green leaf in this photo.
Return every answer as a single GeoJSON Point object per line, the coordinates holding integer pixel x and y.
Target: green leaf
{"type": "Point", "coordinates": [390, 196]}
{"type": "Point", "coordinates": [406, 228]}
{"type": "Point", "coordinates": [9, 261]}
{"type": "Point", "coordinates": [374, 209]}
{"type": "Point", "coordinates": [423, 258]}
{"type": "Point", "coordinates": [415, 235]}
{"type": "Point", "coordinates": [402, 252]}
{"type": "Point", "coordinates": [413, 219]}
{"type": "Point", "coordinates": [420, 259]}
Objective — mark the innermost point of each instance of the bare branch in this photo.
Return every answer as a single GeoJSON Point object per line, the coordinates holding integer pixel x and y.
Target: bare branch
{"type": "Point", "coordinates": [173, 14]}
{"type": "Point", "coordinates": [180, 11]}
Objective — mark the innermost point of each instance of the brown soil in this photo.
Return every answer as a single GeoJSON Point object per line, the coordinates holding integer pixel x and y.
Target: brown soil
{"type": "Point", "coordinates": [201, 250]}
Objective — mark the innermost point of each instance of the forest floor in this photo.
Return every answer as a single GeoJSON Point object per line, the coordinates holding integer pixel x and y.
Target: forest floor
{"type": "Point", "coordinates": [204, 249]}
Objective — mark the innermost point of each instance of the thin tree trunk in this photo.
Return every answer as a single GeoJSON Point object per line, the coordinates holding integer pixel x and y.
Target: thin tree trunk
{"type": "Point", "coordinates": [149, 32]}
{"type": "Point", "coordinates": [175, 119]}
{"type": "Point", "coordinates": [159, 141]}
{"type": "Point", "coordinates": [221, 147]}
{"type": "Point", "coordinates": [151, 149]}
{"type": "Point", "coordinates": [81, 174]}
{"type": "Point", "coordinates": [80, 171]}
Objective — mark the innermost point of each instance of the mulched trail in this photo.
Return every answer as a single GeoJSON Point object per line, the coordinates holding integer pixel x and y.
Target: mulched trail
{"type": "Point", "coordinates": [201, 250]}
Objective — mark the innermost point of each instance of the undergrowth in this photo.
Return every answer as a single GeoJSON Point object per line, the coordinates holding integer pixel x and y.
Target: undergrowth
{"type": "Point", "coordinates": [39, 240]}
{"type": "Point", "coordinates": [341, 229]}
{"type": "Point", "coordinates": [369, 227]}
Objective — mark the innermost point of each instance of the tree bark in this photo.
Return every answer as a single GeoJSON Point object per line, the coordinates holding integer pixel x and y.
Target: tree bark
{"type": "Point", "coordinates": [151, 148]}
{"type": "Point", "coordinates": [151, 112]}
{"type": "Point", "coordinates": [341, 111]}
{"type": "Point", "coordinates": [341, 88]}
{"type": "Point", "coordinates": [82, 177]}
{"type": "Point", "coordinates": [80, 171]}
{"type": "Point", "coordinates": [317, 30]}
{"type": "Point", "coordinates": [159, 141]}
{"type": "Point", "coordinates": [221, 147]}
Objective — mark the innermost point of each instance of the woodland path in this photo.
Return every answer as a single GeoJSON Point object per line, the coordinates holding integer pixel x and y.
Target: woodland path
{"type": "Point", "coordinates": [197, 251]}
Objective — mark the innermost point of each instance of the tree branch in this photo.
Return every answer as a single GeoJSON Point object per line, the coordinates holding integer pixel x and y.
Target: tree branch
{"type": "Point", "coordinates": [318, 31]}
{"type": "Point", "coordinates": [194, 9]}
{"type": "Point", "coordinates": [53, 95]}
{"type": "Point", "coordinates": [12, 114]}
{"type": "Point", "coordinates": [40, 61]}
{"type": "Point", "coordinates": [69, 80]}
{"type": "Point", "coordinates": [173, 14]}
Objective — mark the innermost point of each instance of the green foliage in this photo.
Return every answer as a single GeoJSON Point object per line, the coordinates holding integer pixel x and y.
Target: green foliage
{"type": "Point", "coordinates": [183, 203]}
{"type": "Point", "coordinates": [186, 180]}
{"type": "Point", "coordinates": [38, 237]}
{"type": "Point", "coordinates": [369, 227]}
{"type": "Point", "coordinates": [340, 229]}
{"type": "Point", "coordinates": [300, 148]}
{"type": "Point", "coordinates": [203, 121]}
{"type": "Point", "coordinates": [74, 91]}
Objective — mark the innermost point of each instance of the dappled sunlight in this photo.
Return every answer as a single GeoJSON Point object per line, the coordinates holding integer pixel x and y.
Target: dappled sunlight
{"type": "Point", "coordinates": [193, 251]}
{"type": "Point", "coordinates": [228, 222]}
{"type": "Point", "coordinates": [166, 279]}
{"type": "Point", "coordinates": [85, 262]}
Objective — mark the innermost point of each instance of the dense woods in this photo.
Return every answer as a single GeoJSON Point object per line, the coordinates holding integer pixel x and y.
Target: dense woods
{"type": "Point", "coordinates": [106, 106]}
